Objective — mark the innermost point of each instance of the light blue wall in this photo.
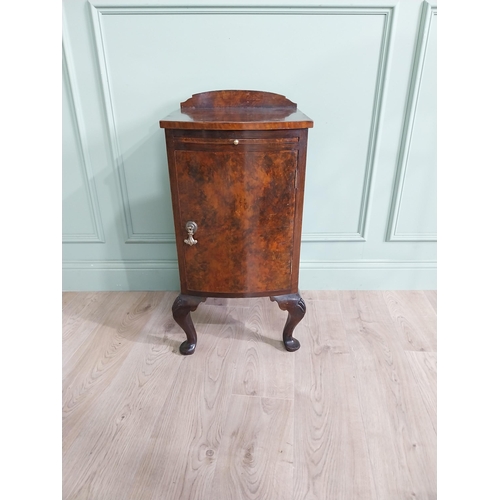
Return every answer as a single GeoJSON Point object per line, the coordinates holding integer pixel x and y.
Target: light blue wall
{"type": "Point", "coordinates": [365, 72]}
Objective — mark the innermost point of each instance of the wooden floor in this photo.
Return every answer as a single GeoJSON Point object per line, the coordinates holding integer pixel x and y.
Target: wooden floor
{"type": "Point", "coordinates": [350, 416]}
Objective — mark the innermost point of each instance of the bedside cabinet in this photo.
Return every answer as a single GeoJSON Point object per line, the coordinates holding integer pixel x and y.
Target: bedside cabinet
{"type": "Point", "coordinates": [237, 162]}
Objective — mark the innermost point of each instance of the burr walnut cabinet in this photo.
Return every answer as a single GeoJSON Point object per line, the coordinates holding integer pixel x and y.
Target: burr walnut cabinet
{"type": "Point", "coordinates": [237, 163]}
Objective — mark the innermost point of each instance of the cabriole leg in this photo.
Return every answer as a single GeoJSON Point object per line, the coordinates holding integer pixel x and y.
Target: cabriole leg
{"type": "Point", "coordinates": [181, 309]}
{"type": "Point", "coordinates": [296, 308]}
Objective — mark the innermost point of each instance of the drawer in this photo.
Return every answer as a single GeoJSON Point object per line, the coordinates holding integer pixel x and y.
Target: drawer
{"type": "Point", "coordinates": [231, 141]}
{"type": "Point", "coordinates": [235, 143]}
{"type": "Point", "coordinates": [237, 140]}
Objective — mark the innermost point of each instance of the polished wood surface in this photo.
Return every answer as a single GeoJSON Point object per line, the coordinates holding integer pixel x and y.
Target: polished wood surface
{"type": "Point", "coordinates": [244, 205]}
{"type": "Point", "coordinates": [242, 191]}
{"type": "Point", "coordinates": [237, 110]}
{"type": "Point", "coordinates": [246, 200]}
{"type": "Point", "coordinates": [296, 307]}
{"type": "Point", "coordinates": [352, 418]}
{"type": "Point", "coordinates": [238, 119]}
{"type": "Point", "coordinates": [182, 306]}
{"type": "Point", "coordinates": [237, 99]}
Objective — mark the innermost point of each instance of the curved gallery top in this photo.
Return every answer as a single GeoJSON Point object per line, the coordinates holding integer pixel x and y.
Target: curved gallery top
{"type": "Point", "coordinates": [237, 110]}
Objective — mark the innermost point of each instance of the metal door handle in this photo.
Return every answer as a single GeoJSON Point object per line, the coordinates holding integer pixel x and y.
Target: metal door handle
{"type": "Point", "coordinates": [191, 228]}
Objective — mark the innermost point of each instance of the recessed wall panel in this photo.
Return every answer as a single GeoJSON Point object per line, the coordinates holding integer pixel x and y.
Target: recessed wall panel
{"type": "Point", "coordinates": [152, 63]}
{"type": "Point", "coordinates": [77, 219]}
{"type": "Point", "coordinates": [417, 213]}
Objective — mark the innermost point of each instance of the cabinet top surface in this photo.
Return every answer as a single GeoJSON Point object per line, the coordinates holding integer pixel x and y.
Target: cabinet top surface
{"type": "Point", "coordinates": [237, 110]}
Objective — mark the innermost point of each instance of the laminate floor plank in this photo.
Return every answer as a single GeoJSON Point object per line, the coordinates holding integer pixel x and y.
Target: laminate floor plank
{"type": "Point", "coordinates": [349, 416]}
{"type": "Point", "coordinates": [81, 306]}
{"type": "Point", "coordinates": [400, 435]}
{"type": "Point", "coordinates": [81, 318]}
{"type": "Point", "coordinates": [68, 297]}
{"type": "Point", "coordinates": [256, 456]}
{"type": "Point", "coordinates": [264, 367]}
{"type": "Point", "coordinates": [101, 357]}
{"type": "Point", "coordinates": [424, 368]}
{"type": "Point", "coordinates": [432, 298]}
{"type": "Point", "coordinates": [415, 319]}
{"type": "Point", "coordinates": [101, 459]}
{"type": "Point", "coordinates": [323, 321]}
{"type": "Point", "coordinates": [80, 330]}
{"type": "Point", "coordinates": [330, 450]}
{"type": "Point", "coordinates": [182, 449]}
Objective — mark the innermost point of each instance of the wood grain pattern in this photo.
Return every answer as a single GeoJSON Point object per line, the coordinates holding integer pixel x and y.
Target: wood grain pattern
{"type": "Point", "coordinates": [121, 419]}
{"type": "Point", "coordinates": [256, 458]}
{"type": "Point", "coordinates": [239, 119]}
{"type": "Point", "coordinates": [221, 226]}
{"type": "Point", "coordinates": [181, 452]}
{"type": "Point", "coordinates": [244, 205]}
{"type": "Point", "coordinates": [237, 99]}
{"type": "Point", "coordinates": [237, 110]}
{"type": "Point", "coordinates": [424, 368]}
{"type": "Point", "coordinates": [101, 357]}
{"type": "Point", "coordinates": [432, 298]}
{"type": "Point", "coordinates": [76, 311]}
{"type": "Point", "coordinates": [81, 318]}
{"type": "Point", "coordinates": [237, 178]}
{"type": "Point", "coordinates": [351, 415]}
{"type": "Point", "coordinates": [401, 438]}
{"type": "Point", "coordinates": [68, 297]}
{"type": "Point", "coordinates": [323, 322]}
{"type": "Point", "coordinates": [264, 369]}
{"type": "Point", "coordinates": [415, 319]}
{"type": "Point", "coordinates": [331, 455]}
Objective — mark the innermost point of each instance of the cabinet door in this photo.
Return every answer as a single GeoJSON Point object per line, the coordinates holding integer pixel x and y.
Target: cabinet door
{"type": "Point", "coordinates": [243, 202]}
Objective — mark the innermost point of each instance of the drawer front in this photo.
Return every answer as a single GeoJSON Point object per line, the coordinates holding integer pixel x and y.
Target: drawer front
{"type": "Point", "coordinates": [243, 202]}
{"type": "Point", "coordinates": [216, 143]}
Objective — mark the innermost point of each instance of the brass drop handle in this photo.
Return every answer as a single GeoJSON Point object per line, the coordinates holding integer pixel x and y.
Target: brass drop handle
{"type": "Point", "coordinates": [191, 228]}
